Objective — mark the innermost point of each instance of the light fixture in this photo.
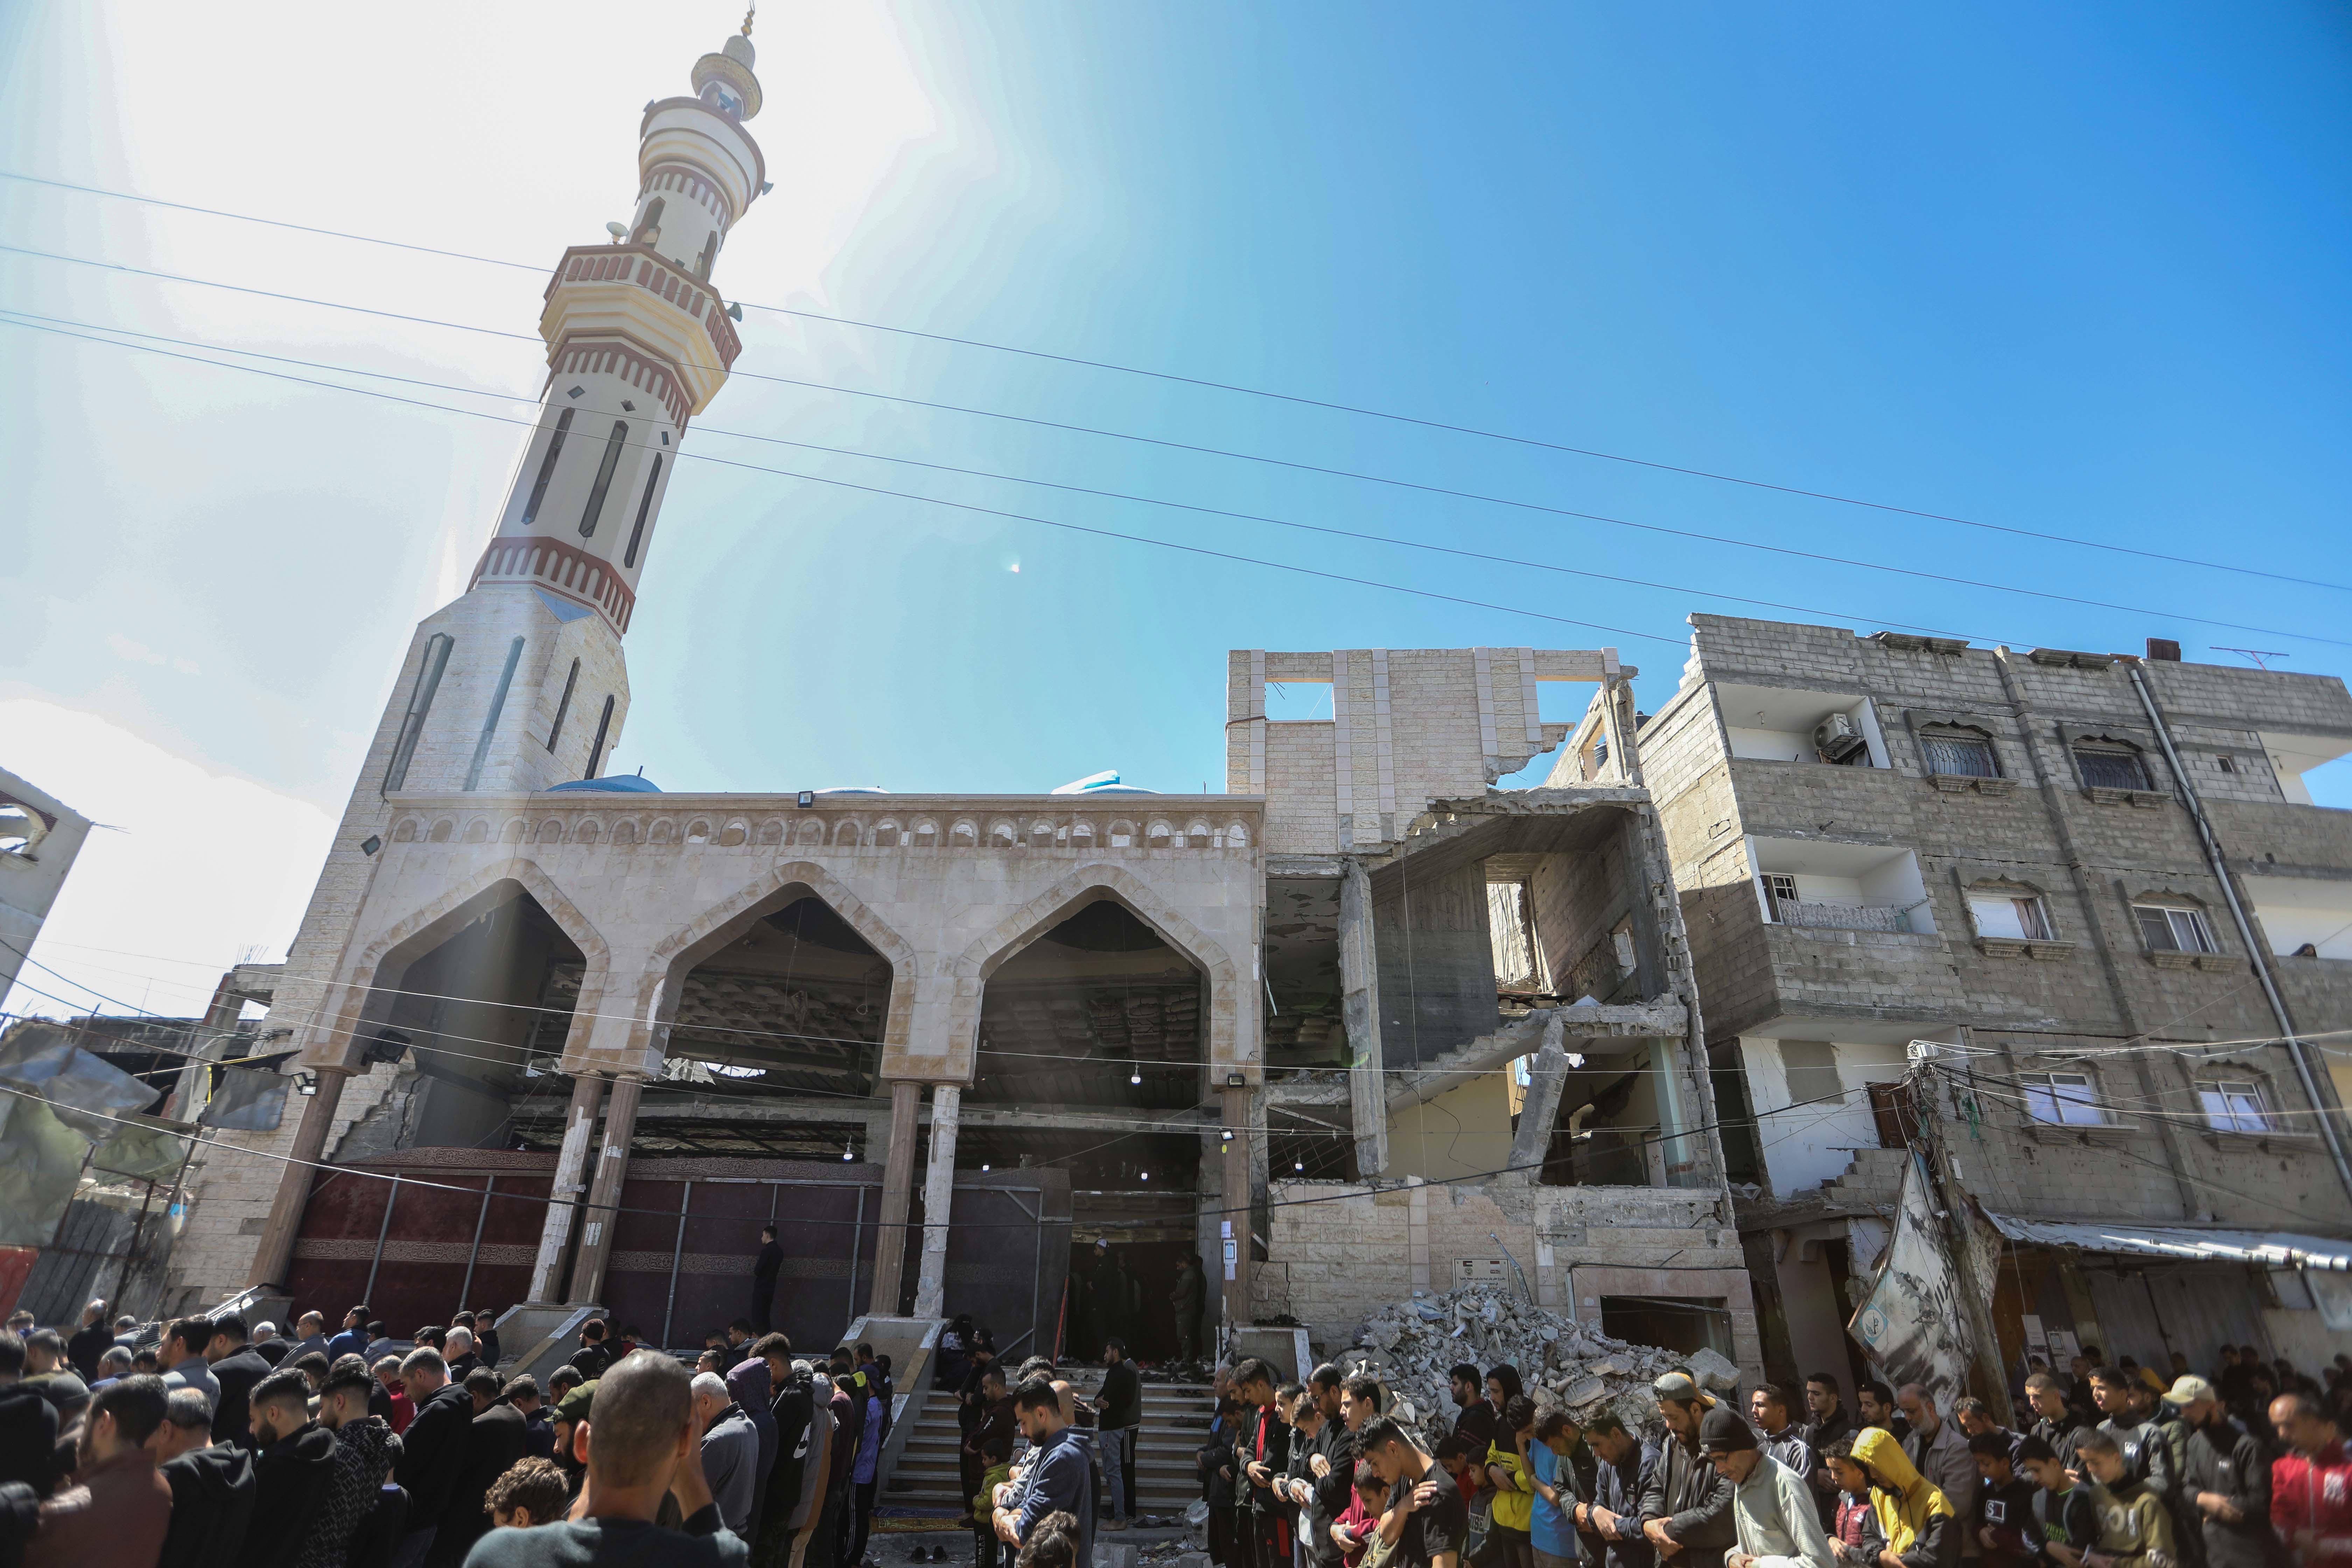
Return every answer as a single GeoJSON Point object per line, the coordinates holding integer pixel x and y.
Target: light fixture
{"type": "Point", "coordinates": [1298, 1164]}
{"type": "Point", "coordinates": [1147, 1175]}
{"type": "Point", "coordinates": [1227, 1135]}
{"type": "Point", "coordinates": [846, 1152]}
{"type": "Point", "coordinates": [983, 1170]}
{"type": "Point", "coordinates": [805, 799]}
{"type": "Point", "coordinates": [1135, 1074]}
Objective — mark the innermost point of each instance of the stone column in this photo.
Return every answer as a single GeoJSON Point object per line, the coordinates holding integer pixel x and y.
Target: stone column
{"type": "Point", "coordinates": [564, 1196]}
{"type": "Point", "coordinates": [1359, 1014]}
{"type": "Point", "coordinates": [939, 1198]}
{"type": "Point", "coordinates": [276, 1248]}
{"type": "Point", "coordinates": [1233, 1225]}
{"type": "Point", "coordinates": [1546, 1077]}
{"type": "Point", "coordinates": [604, 1191]}
{"type": "Point", "coordinates": [897, 1189]}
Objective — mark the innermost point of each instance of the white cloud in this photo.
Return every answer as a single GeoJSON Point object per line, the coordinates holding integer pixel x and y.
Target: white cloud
{"type": "Point", "coordinates": [203, 867]}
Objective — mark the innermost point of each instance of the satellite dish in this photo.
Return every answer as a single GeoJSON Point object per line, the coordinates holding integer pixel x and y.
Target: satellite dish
{"type": "Point", "coordinates": [619, 231]}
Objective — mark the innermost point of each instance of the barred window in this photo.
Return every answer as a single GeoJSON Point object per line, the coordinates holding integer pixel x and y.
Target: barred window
{"type": "Point", "coordinates": [2234, 1105]}
{"type": "Point", "coordinates": [2062, 1100]}
{"type": "Point", "coordinates": [2111, 764]}
{"type": "Point", "coordinates": [1962, 752]}
{"type": "Point", "coordinates": [2169, 928]}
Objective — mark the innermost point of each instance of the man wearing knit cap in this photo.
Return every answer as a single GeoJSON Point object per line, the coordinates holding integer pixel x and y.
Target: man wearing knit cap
{"type": "Point", "coordinates": [1772, 1511]}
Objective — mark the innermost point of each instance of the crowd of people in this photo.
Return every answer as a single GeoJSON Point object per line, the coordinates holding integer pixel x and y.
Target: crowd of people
{"type": "Point", "coordinates": [219, 1444]}
{"type": "Point", "coordinates": [2119, 1468]}
{"type": "Point", "coordinates": [224, 1444]}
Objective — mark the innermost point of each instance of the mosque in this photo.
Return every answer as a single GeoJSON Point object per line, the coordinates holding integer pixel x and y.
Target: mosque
{"type": "Point", "coordinates": [1361, 1024]}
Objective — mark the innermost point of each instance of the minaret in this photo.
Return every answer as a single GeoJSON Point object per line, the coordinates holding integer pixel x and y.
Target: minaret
{"type": "Point", "coordinates": [519, 684]}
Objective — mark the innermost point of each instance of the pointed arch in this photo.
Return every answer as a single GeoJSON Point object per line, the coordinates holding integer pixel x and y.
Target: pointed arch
{"type": "Point", "coordinates": [721, 925]}
{"type": "Point", "coordinates": [970, 972]}
{"type": "Point", "coordinates": [333, 1032]}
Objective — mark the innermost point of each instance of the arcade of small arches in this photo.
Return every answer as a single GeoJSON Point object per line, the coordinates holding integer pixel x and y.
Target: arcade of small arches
{"type": "Point", "coordinates": [818, 830]}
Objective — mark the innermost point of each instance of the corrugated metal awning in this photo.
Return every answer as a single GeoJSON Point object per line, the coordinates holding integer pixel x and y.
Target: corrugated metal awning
{"type": "Point", "coordinates": [2183, 1244]}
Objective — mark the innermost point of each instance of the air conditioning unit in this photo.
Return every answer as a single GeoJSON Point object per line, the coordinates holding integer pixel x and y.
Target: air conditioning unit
{"type": "Point", "coordinates": [1838, 737]}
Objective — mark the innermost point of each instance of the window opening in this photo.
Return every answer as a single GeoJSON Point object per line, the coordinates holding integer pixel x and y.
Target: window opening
{"type": "Point", "coordinates": [596, 750]}
{"type": "Point", "coordinates": [596, 492]}
{"type": "Point", "coordinates": [2022, 917]}
{"type": "Point", "coordinates": [564, 706]}
{"type": "Point", "coordinates": [2234, 1105]}
{"type": "Point", "coordinates": [645, 506]}
{"type": "Point", "coordinates": [2169, 930]}
{"type": "Point", "coordinates": [1959, 753]}
{"type": "Point", "coordinates": [710, 253]}
{"type": "Point", "coordinates": [649, 227]}
{"type": "Point", "coordinates": [2107, 765]}
{"type": "Point", "coordinates": [420, 703]}
{"type": "Point", "coordinates": [498, 707]}
{"type": "Point", "coordinates": [2062, 1100]}
{"type": "Point", "coordinates": [547, 465]}
{"type": "Point", "coordinates": [1782, 889]}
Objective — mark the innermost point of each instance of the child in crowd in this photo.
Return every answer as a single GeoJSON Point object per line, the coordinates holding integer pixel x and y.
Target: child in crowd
{"type": "Point", "coordinates": [1854, 1533]}
{"type": "Point", "coordinates": [1352, 1531]}
{"type": "Point", "coordinates": [1453, 1454]}
{"type": "Point", "coordinates": [2004, 1504]}
{"type": "Point", "coordinates": [2134, 1531]}
{"type": "Point", "coordinates": [2063, 1512]}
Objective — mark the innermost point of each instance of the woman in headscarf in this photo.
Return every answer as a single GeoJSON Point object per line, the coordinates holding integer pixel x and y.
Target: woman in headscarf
{"type": "Point", "coordinates": [1921, 1529]}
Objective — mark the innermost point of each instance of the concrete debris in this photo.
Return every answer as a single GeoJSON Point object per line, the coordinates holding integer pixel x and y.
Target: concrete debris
{"type": "Point", "coordinates": [1566, 1365]}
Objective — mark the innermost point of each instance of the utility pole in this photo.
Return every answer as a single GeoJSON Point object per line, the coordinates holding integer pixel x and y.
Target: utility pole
{"type": "Point", "coordinates": [1924, 1084]}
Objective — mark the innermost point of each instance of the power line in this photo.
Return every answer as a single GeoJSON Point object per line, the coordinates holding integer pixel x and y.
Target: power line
{"type": "Point", "coordinates": [900, 495]}
{"type": "Point", "coordinates": [1018, 479]}
{"type": "Point", "coordinates": [1728, 540]}
{"type": "Point", "coordinates": [1235, 387]}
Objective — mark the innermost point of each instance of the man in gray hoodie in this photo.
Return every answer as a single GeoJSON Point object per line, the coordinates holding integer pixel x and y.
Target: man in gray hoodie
{"type": "Point", "coordinates": [1059, 1477]}
{"type": "Point", "coordinates": [1772, 1514]}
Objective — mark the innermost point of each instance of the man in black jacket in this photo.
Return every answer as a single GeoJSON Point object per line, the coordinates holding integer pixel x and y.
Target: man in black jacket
{"type": "Point", "coordinates": [1688, 1503]}
{"type": "Point", "coordinates": [493, 1441]}
{"type": "Point", "coordinates": [212, 1487]}
{"type": "Point", "coordinates": [432, 1451]}
{"type": "Point", "coordinates": [89, 1341]}
{"type": "Point", "coordinates": [237, 1370]}
{"type": "Point", "coordinates": [28, 1423]}
{"type": "Point", "coordinates": [1623, 1475]}
{"type": "Point", "coordinates": [594, 1356]}
{"type": "Point", "coordinates": [364, 1450]}
{"type": "Point", "coordinates": [293, 1473]}
{"type": "Point", "coordinates": [1121, 1404]}
{"type": "Point", "coordinates": [765, 1268]}
{"type": "Point", "coordinates": [2058, 1423]}
{"type": "Point", "coordinates": [1331, 1462]}
{"type": "Point", "coordinates": [1265, 1453]}
{"type": "Point", "coordinates": [2225, 1480]}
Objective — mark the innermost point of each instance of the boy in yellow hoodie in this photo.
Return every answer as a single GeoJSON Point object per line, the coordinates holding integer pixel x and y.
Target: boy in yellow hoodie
{"type": "Point", "coordinates": [1922, 1531]}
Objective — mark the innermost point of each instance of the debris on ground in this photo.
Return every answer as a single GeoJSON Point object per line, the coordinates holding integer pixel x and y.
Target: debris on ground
{"type": "Point", "coordinates": [1566, 1365]}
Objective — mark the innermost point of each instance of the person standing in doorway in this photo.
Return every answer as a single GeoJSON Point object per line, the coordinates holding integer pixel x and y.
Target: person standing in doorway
{"type": "Point", "coordinates": [763, 1279]}
{"type": "Point", "coordinates": [1189, 1299]}
{"type": "Point", "coordinates": [1122, 1414]}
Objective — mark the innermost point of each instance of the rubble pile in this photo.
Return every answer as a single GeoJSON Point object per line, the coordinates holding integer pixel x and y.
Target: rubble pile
{"type": "Point", "coordinates": [1409, 1345]}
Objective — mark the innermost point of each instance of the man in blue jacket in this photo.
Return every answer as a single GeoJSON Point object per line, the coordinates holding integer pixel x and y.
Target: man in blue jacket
{"type": "Point", "coordinates": [1059, 1477]}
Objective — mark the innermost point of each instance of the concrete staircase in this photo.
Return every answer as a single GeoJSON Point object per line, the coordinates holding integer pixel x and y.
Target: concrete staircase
{"type": "Point", "coordinates": [1873, 1181]}
{"type": "Point", "coordinates": [1175, 1423]}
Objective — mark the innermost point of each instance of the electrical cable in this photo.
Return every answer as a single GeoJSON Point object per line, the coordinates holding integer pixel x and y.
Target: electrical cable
{"type": "Point", "coordinates": [1242, 390]}
{"type": "Point", "coordinates": [398, 992]}
{"type": "Point", "coordinates": [1328, 471]}
{"type": "Point", "coordinates": [907, 495]}
{"type": "Point", "coordinates": [406, 1179]}
{"type": "Point", "coordinates": [1358, 534]}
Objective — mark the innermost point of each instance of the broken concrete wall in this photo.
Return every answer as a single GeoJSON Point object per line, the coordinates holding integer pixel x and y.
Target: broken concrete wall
{"type": "Point", "coordinates": [1438, 961]}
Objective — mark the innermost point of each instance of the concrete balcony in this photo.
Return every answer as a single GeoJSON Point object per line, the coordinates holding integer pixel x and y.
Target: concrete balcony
{"type": "Point", "coordinates": [1841, 916]}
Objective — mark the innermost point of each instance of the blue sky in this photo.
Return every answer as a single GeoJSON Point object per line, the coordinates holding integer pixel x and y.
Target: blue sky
{"type": "Point", "coordinates": [2071, 270]}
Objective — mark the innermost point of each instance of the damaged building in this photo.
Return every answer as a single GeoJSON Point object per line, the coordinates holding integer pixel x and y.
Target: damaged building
{"type": "Point", "coordinates": [569, 1041]}
{"type": "Point", "coordinates": [2076, 908]}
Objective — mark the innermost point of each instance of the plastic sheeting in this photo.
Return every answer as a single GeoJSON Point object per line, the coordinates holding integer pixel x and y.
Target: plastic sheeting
{"type": "Point", "coordinates": [86, 1093]}
{"type": "Point", "coordinates": [247, 1102]}
{"type": "Point", "coordinates": [41, 1165]}
{"type": "Point", "coordinates": [1914, 1323]}
{"type": "Point", "coordinates": [2184, 1244]}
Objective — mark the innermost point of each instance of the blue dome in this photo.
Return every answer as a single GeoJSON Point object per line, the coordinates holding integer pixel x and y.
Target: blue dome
{"type": "Point", "coordinates": [615, 783]}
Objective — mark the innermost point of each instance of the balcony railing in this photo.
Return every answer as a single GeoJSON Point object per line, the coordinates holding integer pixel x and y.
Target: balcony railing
{"type": "Point", "coordinates": [1841, 916]}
